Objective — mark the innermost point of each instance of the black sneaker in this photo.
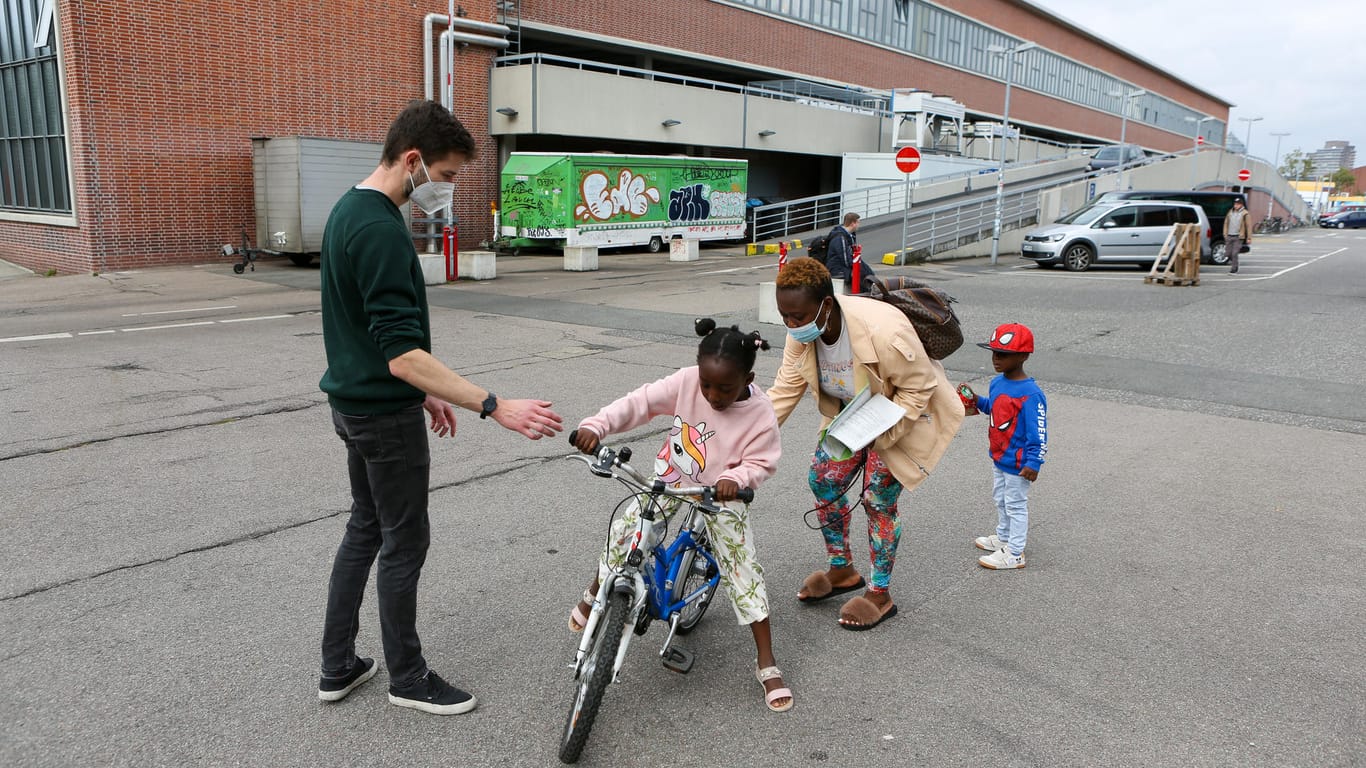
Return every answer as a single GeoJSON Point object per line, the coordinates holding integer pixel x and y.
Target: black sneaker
{"type": "Point", "coordinates": [337, 688]}
{"type": "Point", "coordinates": [433, 695]}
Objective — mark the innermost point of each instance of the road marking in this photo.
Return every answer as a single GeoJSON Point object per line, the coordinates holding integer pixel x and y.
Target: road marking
{"type": "Point", "coordinates": [1288, 269]}
{"type": "Point", "coordinates": [68, 335]}
{"type": "Point", "coordinates": [738, 269]}
{"type": "Point", "coordinates": [250, 319]}
{"type": "Point", "coordinates": [163, 327]}
{"type": "Point", "coordinates": [38, 337]}
{"type": "Point", "coordinates": [180, 311]}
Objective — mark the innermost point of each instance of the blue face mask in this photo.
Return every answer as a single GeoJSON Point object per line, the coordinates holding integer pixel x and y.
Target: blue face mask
{"type": "Point", "coordinates": [808, 333]}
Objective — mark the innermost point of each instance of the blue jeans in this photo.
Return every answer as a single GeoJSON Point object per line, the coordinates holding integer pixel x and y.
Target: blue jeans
{"type": "Point", "coordinates": [389, 463]}
{"type": "Point", "coordinates": [1012, 508]}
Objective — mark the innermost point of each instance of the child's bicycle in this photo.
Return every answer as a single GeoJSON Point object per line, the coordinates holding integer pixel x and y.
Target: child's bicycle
{"type": "Point", "coordinates": [671, 582]}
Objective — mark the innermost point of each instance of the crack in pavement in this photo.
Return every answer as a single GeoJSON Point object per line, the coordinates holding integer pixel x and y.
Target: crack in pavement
{"type": "Point", "coordinates": [512, 466]}
{"type": "Point", "coordinates": [164, 430]}
{"type": "Point", "coordinates": [193, 550]}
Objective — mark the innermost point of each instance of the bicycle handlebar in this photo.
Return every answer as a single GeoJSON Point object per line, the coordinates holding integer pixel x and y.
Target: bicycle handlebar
{"type": "Point", "coordinates": [608, 460]}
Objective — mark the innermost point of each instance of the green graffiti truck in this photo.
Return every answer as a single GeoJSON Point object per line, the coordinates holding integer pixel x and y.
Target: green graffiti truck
{"type": "Point", "coordinates": [610, 201]}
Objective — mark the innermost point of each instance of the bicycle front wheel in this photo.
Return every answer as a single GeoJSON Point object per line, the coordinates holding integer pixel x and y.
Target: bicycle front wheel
{"type": "Point", "coordinates": [594, 677]}
{"type": "Point", "coordinates": [693, 572]}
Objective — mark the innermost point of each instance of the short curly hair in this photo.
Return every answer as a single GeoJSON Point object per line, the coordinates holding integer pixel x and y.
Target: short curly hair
{"type": "Point", "coordinates": [809, 275]}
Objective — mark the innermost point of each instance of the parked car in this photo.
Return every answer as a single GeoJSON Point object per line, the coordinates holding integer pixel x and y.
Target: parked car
{"type": "Point", "coordinates": [1216, 206]}
{"type": "Point", "coordinates": [1112, 232]}
{"type": "Point", "coordinates": [1115, 155]}
{"type": "Point", "coordinates": [1347, 208]}
{"type": "Point", "coordinates": [1348, 220]}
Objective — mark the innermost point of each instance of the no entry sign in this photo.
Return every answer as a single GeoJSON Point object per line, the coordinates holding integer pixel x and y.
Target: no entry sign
{"type": "Point", "coordinates": [907, 159]}
{"type": "Point", "coordinates": [1244, 175]}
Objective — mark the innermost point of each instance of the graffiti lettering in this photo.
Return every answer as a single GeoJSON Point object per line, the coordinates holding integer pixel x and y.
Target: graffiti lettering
{"type": "Point", "coordinates": [727, 205]}
{"type": "Point", "coordinates": [689, 204]}
{"type": "Point", "coordinates": [601, 202]}
{"type": "Point", "coordinates": [519, 196]}
{"type": "Point", "coordinates": [538, 232]}
{"type": "Point", "coordinates": [693, 173]}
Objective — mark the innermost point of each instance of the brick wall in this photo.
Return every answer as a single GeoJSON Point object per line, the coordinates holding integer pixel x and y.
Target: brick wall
{"type": "Point", "coordinates": [739, 34]}
{"type": "Point", "coordinates": [163, 105]}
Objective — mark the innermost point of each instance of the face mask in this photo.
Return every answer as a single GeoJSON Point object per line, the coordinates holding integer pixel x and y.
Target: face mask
{"type": "Point", "coordinates": [810, 332]}
{"type": "Point", "coordinates": [431, 196]}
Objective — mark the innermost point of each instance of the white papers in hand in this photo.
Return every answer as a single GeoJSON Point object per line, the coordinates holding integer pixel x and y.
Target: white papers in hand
{"type": "Point", "coordinates": [859, 424]}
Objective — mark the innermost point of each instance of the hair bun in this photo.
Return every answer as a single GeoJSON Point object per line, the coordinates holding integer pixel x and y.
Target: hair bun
{"type": "Point", "coordinates": [704, 325]}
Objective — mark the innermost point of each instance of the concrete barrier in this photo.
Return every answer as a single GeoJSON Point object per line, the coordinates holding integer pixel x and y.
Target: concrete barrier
{"type": "Point", "coordinates": [478, 265]}
{"type": "Point", "coordinates": [433, 268]}
{"type": "Point", "coordinates": [683, 250]}
{"type": "Point", "coordinates": [581, 258]}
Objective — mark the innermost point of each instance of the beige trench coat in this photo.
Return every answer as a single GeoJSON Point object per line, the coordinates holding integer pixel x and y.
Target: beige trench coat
{"type": "Point", "coordinates": [888, 358]}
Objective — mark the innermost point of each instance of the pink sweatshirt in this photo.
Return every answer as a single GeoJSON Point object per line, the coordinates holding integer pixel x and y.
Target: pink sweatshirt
{"type": "Point", "coordinates": [705, 445]}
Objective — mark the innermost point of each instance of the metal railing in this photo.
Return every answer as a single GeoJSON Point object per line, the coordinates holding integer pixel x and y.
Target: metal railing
{"type": "Point", "coordinates": [777, 220]}
{"type": "Point", "coordinates": [693, 82]}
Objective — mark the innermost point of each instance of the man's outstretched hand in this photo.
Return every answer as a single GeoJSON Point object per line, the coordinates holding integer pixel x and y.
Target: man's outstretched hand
{"type": "Point", "coordinates": [532, 418]}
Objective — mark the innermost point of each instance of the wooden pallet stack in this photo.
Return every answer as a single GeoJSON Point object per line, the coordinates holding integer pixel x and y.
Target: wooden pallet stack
{"type": "Point", "coordinates": [1179, 259]}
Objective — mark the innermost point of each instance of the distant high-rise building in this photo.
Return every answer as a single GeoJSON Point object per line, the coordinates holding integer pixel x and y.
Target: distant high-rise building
{"type": "Point", "coordinates": [1334, 155]}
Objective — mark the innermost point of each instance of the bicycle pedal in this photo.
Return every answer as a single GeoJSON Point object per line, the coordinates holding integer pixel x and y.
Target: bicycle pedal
{"type": "Point", "coordinates": [678, 660]}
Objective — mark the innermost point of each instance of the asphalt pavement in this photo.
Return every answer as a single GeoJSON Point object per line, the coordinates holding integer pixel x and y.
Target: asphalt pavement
{"type": "Point", "coordinates": [174, 495]}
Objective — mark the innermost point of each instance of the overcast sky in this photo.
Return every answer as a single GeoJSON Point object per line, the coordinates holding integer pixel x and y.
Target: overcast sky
{"type": "Point", "coordinates": [1297, 63]}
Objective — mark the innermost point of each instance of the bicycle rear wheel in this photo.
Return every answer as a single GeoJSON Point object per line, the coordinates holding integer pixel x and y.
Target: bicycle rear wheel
{"type": "Point", "coordinates": [594, 677]}
{"type": "Point", "coordinates": [693, 572]}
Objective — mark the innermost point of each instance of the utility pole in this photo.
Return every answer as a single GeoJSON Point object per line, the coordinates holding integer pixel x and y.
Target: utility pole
{"type": "Point", "coordinates": [1124, 124]}
{"type": "Point", "coordinates": [1009, 52]}
{"type": "Point", "coordinates": [1277, 166]}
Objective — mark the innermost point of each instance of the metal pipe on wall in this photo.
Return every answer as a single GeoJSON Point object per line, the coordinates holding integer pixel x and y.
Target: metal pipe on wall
{"type": "Point", "coordinates": [429, 23]}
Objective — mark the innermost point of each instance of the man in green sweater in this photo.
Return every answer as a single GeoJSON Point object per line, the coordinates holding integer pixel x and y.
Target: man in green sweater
{"type": "Point", "coordinates": [381, 377]}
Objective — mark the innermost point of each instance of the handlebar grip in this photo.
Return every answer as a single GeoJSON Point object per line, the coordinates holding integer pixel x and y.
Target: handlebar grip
{"type": "Point", "coordinates": [746, 495]}
{"type": "Point", "coordinates": [574, 437]}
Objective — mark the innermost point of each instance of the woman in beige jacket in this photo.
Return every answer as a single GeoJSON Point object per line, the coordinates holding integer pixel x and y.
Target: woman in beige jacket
{"type": "Point", "coordinates": [835, 347]}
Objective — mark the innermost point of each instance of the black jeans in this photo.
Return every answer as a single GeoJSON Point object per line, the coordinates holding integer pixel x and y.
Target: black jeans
{"type": "Point", "coordinates": [389, 463]}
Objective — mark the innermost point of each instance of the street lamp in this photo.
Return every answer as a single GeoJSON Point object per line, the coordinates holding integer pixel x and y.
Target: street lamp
{"type": "Point", "coordinates": [1124, 124]}
{"type": "Point", "coordinates": [1247, 145]}
{"type": "Point", "coordinates": [1276, 166]}
{"type": "Point", "coordinates": [1009, 52]}
{"type": "Point", "coordinates": [1195, 154]}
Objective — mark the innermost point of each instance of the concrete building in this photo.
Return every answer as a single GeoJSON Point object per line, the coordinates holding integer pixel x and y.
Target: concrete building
{"type": "Point", "coordinates": [1334, 156]}
{"type": "Point", "coordinates": [126, 138]}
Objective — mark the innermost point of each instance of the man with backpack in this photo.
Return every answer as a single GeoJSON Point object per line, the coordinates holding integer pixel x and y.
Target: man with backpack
{"type": "Point", "coordinates": [839, 252]}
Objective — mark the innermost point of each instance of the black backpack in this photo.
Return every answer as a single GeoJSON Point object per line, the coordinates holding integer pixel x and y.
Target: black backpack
{"type": "Point", "coordinates": [817, 247]}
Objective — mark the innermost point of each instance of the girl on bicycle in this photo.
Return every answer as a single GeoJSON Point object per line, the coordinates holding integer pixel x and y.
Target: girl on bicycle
{"type": "Point", "coordinates": [724, 434]}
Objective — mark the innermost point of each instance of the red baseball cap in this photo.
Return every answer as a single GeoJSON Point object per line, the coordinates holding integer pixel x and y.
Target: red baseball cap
{"type": "Point", "coordinates": [1010, 337]}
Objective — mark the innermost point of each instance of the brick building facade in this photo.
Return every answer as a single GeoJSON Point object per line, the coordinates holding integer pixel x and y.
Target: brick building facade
{"type": "Point", "coordinates": [160, 102]}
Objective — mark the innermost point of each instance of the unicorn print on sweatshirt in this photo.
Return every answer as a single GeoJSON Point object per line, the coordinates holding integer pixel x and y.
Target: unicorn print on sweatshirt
{"type": "Point", "coordinates": [684, 454]}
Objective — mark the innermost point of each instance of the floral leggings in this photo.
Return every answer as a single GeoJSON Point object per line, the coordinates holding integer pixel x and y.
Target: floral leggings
{"type": "Point", "coordinates": [828, 478]}
{"type": "Point", "coordinates": [732, 544]}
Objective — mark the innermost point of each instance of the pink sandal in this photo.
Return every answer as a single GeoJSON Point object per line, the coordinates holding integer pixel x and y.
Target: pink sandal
{"type": "Point", "coordinates": [577, 618]}
{"type": "Point", "coordinates": [769, 673]}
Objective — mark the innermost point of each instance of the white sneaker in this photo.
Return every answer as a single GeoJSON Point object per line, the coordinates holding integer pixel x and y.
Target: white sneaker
{"type": "Point", "coordinates": [1002, 560]}
{"type": "Point", "coordinates": [990, 543]}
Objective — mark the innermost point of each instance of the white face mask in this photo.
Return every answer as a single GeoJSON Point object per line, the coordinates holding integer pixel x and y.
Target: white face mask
{"type": "Point", "coordinates": [431, 196]}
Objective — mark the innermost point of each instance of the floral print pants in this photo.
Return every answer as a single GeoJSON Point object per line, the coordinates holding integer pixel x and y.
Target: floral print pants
{"type": "Point", "coordinates": [731, 542]}
{"type": "Point", "coordinates": [828, 478]}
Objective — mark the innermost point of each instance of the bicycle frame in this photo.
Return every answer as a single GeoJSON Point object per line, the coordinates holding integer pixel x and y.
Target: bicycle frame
{"type": "Point", "coordinates": [650, 587]}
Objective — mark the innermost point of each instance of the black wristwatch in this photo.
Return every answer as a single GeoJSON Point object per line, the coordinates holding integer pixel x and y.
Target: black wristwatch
{"type": "Point", "coordinates": [490, 405]}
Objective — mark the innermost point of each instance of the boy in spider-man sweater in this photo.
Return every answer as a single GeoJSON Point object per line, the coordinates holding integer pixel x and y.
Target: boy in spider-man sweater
{"type": "Point", "coordinates": [1018, 439]}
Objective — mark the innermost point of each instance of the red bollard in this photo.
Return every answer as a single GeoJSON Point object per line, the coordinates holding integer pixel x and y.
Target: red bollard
{"type": "Point", "coordinates": [450, 246]}
{"type": "Point", "coordinates": [782, 255]}
{"type": "Point", "coordinates": [856, 269]}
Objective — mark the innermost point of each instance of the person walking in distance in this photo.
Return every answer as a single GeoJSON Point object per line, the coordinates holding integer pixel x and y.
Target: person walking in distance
{"type": "Point", "coordinates": [381, 377]}
{"type": "Point", "coordinates": [1237, 233]}
{"type": "Point", "coordinates": [839, 254]}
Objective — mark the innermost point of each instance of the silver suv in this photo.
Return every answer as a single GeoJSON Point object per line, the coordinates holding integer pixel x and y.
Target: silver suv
{"type": "Point", "coordinates": [1112, 232]}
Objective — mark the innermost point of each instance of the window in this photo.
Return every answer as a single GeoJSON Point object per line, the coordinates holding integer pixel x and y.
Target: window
{"type": "Point", "coordinates": [1155, 216]}
{"type": "Point", "coordinates": [33, 162]}
{"type": "Point", "coordinates": [1123, 218]}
